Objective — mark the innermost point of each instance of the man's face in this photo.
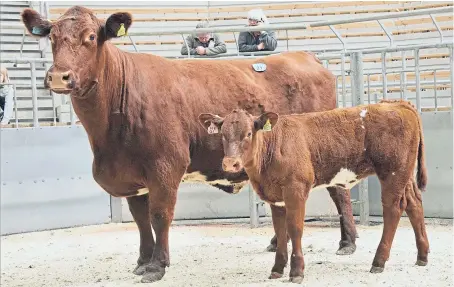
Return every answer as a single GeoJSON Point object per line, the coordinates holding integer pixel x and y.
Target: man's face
{"type": "Point", "coordinates": [253, 22]}
{"type": "Point", "coordinates": [204, 38]}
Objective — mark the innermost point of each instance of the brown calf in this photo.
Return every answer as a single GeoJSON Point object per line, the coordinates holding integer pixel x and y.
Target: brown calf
{"type": "Point", "coordinates": [287, 156]}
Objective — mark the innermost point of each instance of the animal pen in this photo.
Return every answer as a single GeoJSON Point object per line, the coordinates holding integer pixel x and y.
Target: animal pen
{"type": "Point", "coordinates": [46, 184]}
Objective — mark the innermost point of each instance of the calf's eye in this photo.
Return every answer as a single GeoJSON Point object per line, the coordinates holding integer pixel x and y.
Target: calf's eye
{"type": "Point", "coordinates": [92, 37]}
{"type": "Point", "coordinates": [249, 134]}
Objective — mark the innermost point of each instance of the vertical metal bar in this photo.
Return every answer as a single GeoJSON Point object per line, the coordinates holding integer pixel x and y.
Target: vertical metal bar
{"type": "Point", "coordinates": [390, 37]}
{"type": "Point", "coordinates": [435, 90]}
{"type": "Point", "coordinates": [451, 68]}
{"type": "Point", "coordinates": [22, 43]}
{"type": "Point", "coordinates": [187, 47]}
{"type": "Point", "coordinates": [286, 34]}
{"type": "Point", "coordinates": [337, 91]}
{"type": "Point", "coordinates": [403, 82]}
{"type": "Point", "coordinates": [34, 93]}
{"type": "Point", "coordinates": [418, 81]}
{"type": "Point", "coordinates": [15, 105]}
{"type": "Point", "coordinates": [71, 112]}
{"type": "Point", "coordinates": [343, 78]}
{"type": "Point", "coordinates": [54, 112]}
{"type": "Point", "coordinates": [357, 84]}
{"type": "Point", "coordinates": [115, 209]}
{"type": "Point", "coordinates": [253, 208]}
{"type": "Point", "coordinates": [385, 79]}
{"type": "Point", "coordinates": [236, 43]}
{"type": "Point", "coordinates": [438, 27]}
{"type": "Point", "coordinates": [368, 89]}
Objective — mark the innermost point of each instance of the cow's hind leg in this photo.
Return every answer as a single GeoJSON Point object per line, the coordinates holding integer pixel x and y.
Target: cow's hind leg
{"type": "Point", "coordinates": [394, 203]}
{"type": "Point", "coordinates": [415, 213]}
{"type": "Point", "coordinates": [138, 205]}
{"type": "Point", "coordinates": [281, 257]}
{"type": "Point", "coordinates": [341, 198]}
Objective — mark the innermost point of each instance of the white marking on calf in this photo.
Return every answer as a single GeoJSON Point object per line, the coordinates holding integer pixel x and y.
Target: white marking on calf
{"type": "Point", "coordinates": [279, 203]}
{"type": "Point", "coordinates": [363, 113]}
{"type": "Point", "coordinates": [142, 191]}
{"type": "Point", "coordinates": [344, 177]}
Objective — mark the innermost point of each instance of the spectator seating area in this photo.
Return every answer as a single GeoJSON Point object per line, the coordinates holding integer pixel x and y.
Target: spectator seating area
{"type": "Point", "coordinates": [153, 16]}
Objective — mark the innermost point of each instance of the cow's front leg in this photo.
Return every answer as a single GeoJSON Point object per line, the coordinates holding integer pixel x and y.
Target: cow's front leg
{"type": "Point", "coordinates": [162, 199]}
{"type": "Point", "coordinates": [138, 205]}
{"type": "Point", "coordinates": [341, 198]}
{"type": "Point", "coordinates": [281, 257]}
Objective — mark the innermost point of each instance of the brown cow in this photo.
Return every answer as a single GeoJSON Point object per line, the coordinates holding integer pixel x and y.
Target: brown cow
{"type": "Point", "coordinates": [140, 113]}
{"type": "Point", "coordinates": [287, 156]}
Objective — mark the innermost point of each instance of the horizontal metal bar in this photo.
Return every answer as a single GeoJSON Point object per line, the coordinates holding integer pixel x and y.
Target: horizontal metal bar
{"type": "Point", "coordinates": [397, 84]}
{"type": "Point", "coordinates": [385, 16]}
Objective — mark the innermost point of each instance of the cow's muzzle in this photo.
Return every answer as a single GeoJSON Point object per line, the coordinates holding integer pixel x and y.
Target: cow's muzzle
{"type": "Point", "coordinates": [59, 82]}
{"type": "Point", "coordinates": [232, 164]}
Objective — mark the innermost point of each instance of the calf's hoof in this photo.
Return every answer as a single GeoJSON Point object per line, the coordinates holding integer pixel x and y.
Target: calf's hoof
{"type": "Point", "coordinates": [346, 250]}
{"type": "Point", "coordinates": [376, 269]}
{"type": "Point", "coordinates": [153, 274]}
{"type": "Point", "coordinates": [421, 262]}
{"type": "Point", "coordinates": [140, 269]}
{"type": "Point", "coordinates": [275, 275]}
{"type": "Point", "coordinates": [271, 248]}
{"type": "Point", "coordinates": [297, 279]}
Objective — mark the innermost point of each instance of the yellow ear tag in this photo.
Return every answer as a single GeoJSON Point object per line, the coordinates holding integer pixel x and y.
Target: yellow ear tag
{"type": "Point", "coordinates": [267, 126]}
{"type": "Point", "coordinates": [121, 31]}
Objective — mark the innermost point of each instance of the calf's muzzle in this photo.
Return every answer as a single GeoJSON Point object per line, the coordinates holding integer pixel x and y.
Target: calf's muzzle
{"type": "Point", "coordinates": [232, 164]}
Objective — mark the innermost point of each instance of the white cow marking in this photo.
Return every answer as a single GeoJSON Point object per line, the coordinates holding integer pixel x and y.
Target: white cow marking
{"type": "Point", "coordinates": [344, 176]}
{"type": "Point", "coordinates": [279, 203]}
{"type": "Point", "coordinates": [363, 113]}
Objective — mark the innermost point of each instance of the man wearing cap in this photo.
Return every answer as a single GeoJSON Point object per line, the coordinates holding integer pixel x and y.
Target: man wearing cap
{"type": "Point", "coordinates": [203, 43]}
{"type": "Point", "coordinates": [257, 40]}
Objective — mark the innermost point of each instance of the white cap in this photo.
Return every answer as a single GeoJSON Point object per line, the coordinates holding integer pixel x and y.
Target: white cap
{"type": "Point", "coordinates": [257, 15]}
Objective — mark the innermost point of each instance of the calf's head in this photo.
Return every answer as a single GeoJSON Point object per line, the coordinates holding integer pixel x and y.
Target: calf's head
{"type": "Point", "coordinates": [77, 39]}
{"type": "Point", "coordinates": [238, 130]}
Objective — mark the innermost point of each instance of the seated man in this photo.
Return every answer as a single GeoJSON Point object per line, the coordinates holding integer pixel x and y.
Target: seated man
{"type": "Point", "coordinates": [6, 98]}
{"type": "Point", "coordinates": [203, 43]}
{"type": "Point", "coordinates": [257, 40]}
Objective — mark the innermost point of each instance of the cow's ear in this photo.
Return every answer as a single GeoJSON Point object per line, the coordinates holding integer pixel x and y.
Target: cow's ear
{"type": "Point", "coordinates": [266, 121]}
{"type": "Point", "coordinates": [212, 123]}
{"type": "Point", "coordinates": [35, 24]}
{"type": "Point", "coordinates": [117, 25]}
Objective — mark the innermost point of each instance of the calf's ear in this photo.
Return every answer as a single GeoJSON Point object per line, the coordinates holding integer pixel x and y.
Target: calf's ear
{"type": "Point", "coordinates": [35, 24]}
{"type": "Point", "coordinates": [117, 25]}
{"type": "Point", "coordinates": [212, 123]}
{"type": "Point", "coordinates": [266, 121]}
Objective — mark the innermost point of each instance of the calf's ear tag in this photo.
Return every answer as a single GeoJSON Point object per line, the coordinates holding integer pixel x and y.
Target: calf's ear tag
{"type": "Point", "coordinates": [213, 129]}
{"type": "Point", "coordinates": [37, 31]}
{"type": "Point", "coordinates": [267, 126]}
{"type": "Point", "coordinates": [121, 31]}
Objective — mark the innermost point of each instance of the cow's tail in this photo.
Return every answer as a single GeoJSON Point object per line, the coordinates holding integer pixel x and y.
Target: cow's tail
{"type": "Point", "coordinates": [421, 175]}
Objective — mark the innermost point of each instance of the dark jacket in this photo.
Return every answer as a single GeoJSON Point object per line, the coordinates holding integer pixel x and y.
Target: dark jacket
{"type": "Point", "coordinates": [247, 42]}
{"type": "Point", "coordinates": [217, 45]}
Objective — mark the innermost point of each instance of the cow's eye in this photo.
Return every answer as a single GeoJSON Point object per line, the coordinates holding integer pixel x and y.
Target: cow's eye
{"type": "Point", "coordinates": [249, 134]}
{"type": "Point", "coordinates": [92, 37]}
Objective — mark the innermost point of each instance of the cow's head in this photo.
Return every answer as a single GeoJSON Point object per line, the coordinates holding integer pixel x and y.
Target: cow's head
{"type": "Point", "coordinates": [238, 130]}
{"type": "Point", "coordinates": [77, 39]}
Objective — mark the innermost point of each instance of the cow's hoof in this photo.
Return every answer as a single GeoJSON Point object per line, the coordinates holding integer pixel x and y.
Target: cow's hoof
{"type": "Point", "coordinates": [421, 263]}
{"type": "Point", "coordinates": [140, 269]}
{"type": "Point", "coordinates": [275, 275]}
{"type": "Point", "coordinates": [376, 269]}
{"type": "Point", "coordinates": [271, 248]}
{"type": "Point", "coordinates": [346, 250]}
{"type": "Point", "coordinates": [297, 279]}
{"type": "Point", "coordinates": [153, 274]}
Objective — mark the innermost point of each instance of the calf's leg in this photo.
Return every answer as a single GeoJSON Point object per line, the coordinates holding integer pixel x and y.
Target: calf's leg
{"type": "Point", "coordinates": [138, 205]}
{"type": "Point", "coordinates": [394, 203]}
{"type": "Point", "coordinates": [295, 206]}
{"type": "Point", "coordinates": [415, 213]}
{"type": "Point", "coordinates": [280, 228]}
{"type": "Point", "coordinates": [341, 198]}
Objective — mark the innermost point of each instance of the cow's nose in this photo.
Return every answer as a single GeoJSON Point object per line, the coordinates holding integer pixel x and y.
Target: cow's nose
{"type": "Point", "coordinates": [231, 164]}
{"type": "Point", "coordinates": [59, 81]}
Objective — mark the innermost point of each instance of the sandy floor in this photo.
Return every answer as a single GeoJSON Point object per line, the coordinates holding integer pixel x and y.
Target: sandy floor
{"type": "Point", "coordinates": [219, 255]}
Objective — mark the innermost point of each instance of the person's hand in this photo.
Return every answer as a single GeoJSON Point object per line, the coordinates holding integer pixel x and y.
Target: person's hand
{"type": "Point", "coordinates": [261, 46]}
{"type": "Point", "coordinates": [200, 50]}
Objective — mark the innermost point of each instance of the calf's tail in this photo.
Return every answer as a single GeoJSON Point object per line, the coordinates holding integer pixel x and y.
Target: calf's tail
{"type": "Point", "coordinates": [421, 175]}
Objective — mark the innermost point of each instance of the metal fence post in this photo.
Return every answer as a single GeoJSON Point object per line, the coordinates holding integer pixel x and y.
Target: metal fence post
{"type": "Point", "coordinates": [34, 93]}
{"type": "Point", "coordinates": [115, 209]}
{"type": "Point", "coordinates": [253, 207]}
{"type": "Point", "coordinates": [357, 76]}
